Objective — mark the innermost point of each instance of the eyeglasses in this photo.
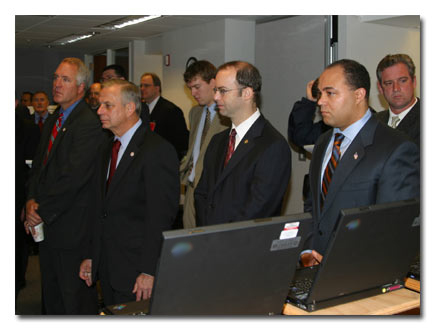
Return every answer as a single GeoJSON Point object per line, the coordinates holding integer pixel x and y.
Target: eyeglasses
{"type": "Point", "coordinates": [222, 91]}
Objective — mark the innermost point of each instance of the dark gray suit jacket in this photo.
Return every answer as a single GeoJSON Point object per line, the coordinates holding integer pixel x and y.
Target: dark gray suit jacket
{"type": "Point", "coordinates": [379, 166]}
{"type": "Point", "coordinates": [410, 125]}
{"type": "Point", "coordinates": [62, 186]}
{"type": "Point", "coordinates": [141, 202]}
{"type": "Point", "coordinates": [253, 183]}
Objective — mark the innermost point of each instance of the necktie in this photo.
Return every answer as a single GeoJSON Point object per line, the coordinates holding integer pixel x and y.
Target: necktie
{"type": "Point", "coordinates": [40, 124]}
{"type": "Point", "coordinates": [54, 132]}
{"type": "Point", "coordinates": [206, 127]}
{"type": "Point", "coordinates": [331, 166]}
{"type": "Point", "coordinates": [231, 145]}
{"type": "Point", "coordinates": [394, 121]}
{"type": "Point", "coordinates": [113, 160]}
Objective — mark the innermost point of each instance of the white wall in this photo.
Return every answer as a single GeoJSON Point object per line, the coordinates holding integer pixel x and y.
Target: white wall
{"type": "Point", "coordinates": [217, 42]}
{"type": "Point", "coordinates": [368, 42]}
{"type": "Point", "coordinates": [289, 53]}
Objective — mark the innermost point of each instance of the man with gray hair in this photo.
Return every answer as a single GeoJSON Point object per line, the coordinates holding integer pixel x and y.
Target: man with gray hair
{"type": "Point", "coordinates": [59, 191]}
{"type": "Point", "coordinates": [137, 193]}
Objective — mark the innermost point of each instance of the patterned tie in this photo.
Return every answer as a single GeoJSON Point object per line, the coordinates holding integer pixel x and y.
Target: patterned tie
{"type": "Point", "coordinates": [331, 166]}
{"type": "Point", "coordinates": [54, 132]}
{"type": "Point", "coordinates": [206, 127]}
{"type": "Point", "coordinates": [113, 160]}
{"type": "Point", "coordinates": [231, 145]}
{"type": "Point", "coordinates": [394, 121]}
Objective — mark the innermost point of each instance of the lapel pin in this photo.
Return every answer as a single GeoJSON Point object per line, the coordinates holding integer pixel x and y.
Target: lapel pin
{"type": "Point", "coordinates": [64, 129]}
{"type": "Point", "coordinates": [246, 141]}
{"type": "Point", "coordinates": [131, 154]}
{"type": "Point", "coordinates": [355, 155]}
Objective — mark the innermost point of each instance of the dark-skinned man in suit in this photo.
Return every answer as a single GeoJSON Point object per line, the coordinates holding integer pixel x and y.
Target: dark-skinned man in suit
{"type": "Point", "coordinates": [374, 163]}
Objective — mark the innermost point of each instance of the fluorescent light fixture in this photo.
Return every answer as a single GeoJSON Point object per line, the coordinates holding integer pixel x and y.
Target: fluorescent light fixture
{"type": "Point", "coordinates": [126, 21]}
{"type": "Point", "coordinates": [72, 38]}
{"type": "Point", "coordinates": [136, 21]}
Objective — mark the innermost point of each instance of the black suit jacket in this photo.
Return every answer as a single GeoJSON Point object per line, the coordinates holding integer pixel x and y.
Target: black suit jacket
{"type": "Point", "coordinates": [170, 124]}
{"type": "Point", "coordinates": [410, 125]}
{"type": "Point", "coordinates": [62, 186]}
{"type": "Point", "coordinates": [141, 202]}
{"type": "Point", "coordinates": [380, 165]}
{"type": "Point", "coordinates": [253, 183]}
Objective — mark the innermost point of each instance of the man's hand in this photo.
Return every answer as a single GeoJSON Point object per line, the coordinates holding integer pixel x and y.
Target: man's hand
{"type": "Point", "coordinates": [32, 217]}
{"type": "Point", "coordinates": [85, 272]}
{"type": "Point", "coordinates": [143, 287]}
{"type": "Point", "coordinates": [308, 91]}
{"type": "Point", "coordinates": [311, 259]}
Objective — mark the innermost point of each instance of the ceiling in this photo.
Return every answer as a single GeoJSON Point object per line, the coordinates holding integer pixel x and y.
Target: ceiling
{"type": "Point", "coordinates": [39, 31]}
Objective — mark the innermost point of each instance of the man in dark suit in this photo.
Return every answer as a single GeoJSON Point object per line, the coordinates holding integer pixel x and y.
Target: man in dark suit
{"type": "Point", "coordinates": [59, 191]}
{"type": "Point", "coordinates": [247, 168]}
{"type": "Point", "coordinates": [397, 82]}
{"type": "Point", "coordinates": [40, 103]}
{"type": "Point", "coordinates": [375, 164]}
{"type": "Point", "coordinates": [135, 201]}
{"type": "Point", "coordinates": [166, 119]}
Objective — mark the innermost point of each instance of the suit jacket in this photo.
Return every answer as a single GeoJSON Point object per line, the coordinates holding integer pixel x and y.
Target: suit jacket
{"type": "Point", "coordinates": [410, 125]}
{"type": "Point", "coordinates": [379, 166]}
{"type": "Point", "coordinates": [253, 183]}
{"type": "Point", "coordinates": [141, 202]}
{"type": "Point", "coordinates": [62, 186]}
{"type": "Point", "coordinates": [301, 128]}
{"type": "Point", "coordinates": [217, 125]}
{"type": "Point", "coordinates": [170, 124]}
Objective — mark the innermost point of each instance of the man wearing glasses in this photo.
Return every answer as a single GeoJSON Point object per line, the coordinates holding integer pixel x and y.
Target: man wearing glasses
{"type": "Point", "coordinates": [247, 167]}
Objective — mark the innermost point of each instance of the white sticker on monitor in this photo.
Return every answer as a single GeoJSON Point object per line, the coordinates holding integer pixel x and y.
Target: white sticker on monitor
{"type": "Point", "coordinates": [290, 230]}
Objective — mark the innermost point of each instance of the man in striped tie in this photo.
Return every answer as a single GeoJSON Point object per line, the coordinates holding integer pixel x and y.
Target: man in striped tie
{"type": "Point", "coordinates": [59, 193]}
{"type": "Point", "coordinates": [359, 161]}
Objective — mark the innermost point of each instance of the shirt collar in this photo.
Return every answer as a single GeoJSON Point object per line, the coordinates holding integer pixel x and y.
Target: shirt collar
{"type": "Point", "coordinates": [152, 104]}
{"type": "Point", "coordinates": [404, 112]}
{"type": "Point", "coordinates": [126, 137]}
{"type": "Point", "coordinates": [351, 131]}
{"type": "Point", "coordinates": [244, 127]}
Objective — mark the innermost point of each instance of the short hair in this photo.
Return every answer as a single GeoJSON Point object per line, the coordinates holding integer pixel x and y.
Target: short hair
{"type": "Point", "coordinates": [129, 92]}
{"type": "Point", "coordinates": [119, 70]}
{"type": "Point", "coordinates": [82, 76]}
{"type": "Point", "coordinates": [40, 92]}
{"type": "Point", "coordinates": [155, 78]}
{"type": "Point", "coordinates": [391, 60]}
{"type": "Point", "coordinates": [355, 73]}
{"type": "Point", "coordinates": [247, 75]}
{"type": "Point", "coordinates": [204, 69]}
{"type": "Point", "coordinates": [30, 93]}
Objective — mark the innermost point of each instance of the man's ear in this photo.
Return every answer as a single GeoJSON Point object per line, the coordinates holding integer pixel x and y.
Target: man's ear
{"type": "Point", "coordinates": [360, 95]}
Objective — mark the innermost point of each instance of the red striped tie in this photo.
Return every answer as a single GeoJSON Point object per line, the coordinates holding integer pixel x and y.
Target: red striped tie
{"type": "Point", "coordinates": [54, 132]}
{"type": "Point", "coordinates": [231, 145]}
{"type": "Point", "coordinates": [331, 166]}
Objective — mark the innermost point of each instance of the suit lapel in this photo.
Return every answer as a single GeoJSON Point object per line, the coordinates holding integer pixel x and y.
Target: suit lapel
{"type": "Point", "coordinates": [65, 127]}
{"type": "Point", "coordinates": [130, 154]}
{"type": "Point", "coordinates": [316, 166]}
{"type": "Point", "coordinates": [245, 146]}
{"type": "Point", "coordinates": [354, 154]}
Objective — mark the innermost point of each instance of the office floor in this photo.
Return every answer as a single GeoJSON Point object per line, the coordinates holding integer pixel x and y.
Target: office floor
{"type": "Point", "coordinates": [29, 298]}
